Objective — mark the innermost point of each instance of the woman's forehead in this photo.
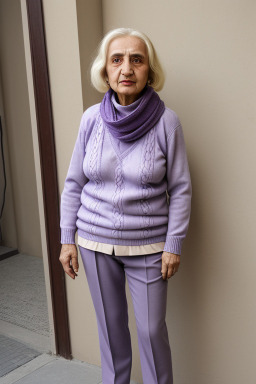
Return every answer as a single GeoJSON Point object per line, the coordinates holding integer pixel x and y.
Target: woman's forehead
{"type": "Point", "coordinates": [123, 44]}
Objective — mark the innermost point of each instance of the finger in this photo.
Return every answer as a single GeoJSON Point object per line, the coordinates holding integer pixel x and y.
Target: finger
{"type": "Point", "coordinates": [69, 271]}
{"type": "Point", "coordinates": [71, 268]}
{"type": "Point", "coordinates": [164, 270]}
{"type": "Point", "coordinates": [170, 272]}
{"type": "Point", "coordinates": [74, 263]}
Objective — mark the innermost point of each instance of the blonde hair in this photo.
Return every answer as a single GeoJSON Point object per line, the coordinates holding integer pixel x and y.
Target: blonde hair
{"type": "Point", "coordinates": [98, 70]}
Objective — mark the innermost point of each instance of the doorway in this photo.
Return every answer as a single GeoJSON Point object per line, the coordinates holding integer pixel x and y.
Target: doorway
{"type": "Point", "coordinates": [31, 316]}
{"type": "Point", "coordinates": [24, 319]}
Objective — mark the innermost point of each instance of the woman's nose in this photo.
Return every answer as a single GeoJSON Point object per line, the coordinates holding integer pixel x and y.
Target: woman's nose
{"type": "Point", "coordinates": [127, 69]}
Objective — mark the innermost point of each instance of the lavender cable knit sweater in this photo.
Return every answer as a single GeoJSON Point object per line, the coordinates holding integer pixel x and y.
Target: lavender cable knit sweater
{"type": "Point", "coordinates": [115, 192]}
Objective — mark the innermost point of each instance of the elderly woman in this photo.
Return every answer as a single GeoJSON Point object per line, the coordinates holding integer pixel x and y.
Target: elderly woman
{"type": "Point", "coordinates": [127, 194]}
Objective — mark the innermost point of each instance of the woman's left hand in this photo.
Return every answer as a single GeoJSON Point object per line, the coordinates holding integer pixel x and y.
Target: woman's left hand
{"type": "Point", "coordinates": [170, 264]}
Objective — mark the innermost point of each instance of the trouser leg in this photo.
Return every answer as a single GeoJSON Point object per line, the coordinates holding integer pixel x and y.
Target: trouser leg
{"type": "Point", "coordinates": [149, 296]}
{"type": "Point", "coordinates": [106, 280]}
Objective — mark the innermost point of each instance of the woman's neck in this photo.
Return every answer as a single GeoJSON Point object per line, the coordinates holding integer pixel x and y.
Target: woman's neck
{"type": "Point", "coordinates": [125, 100]}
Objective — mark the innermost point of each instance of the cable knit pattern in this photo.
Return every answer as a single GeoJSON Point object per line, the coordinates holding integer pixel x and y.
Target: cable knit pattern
{"type": "Point", "coordinates": [146, 173]}
{"type": "Point", "coordinates": [118, 214]}
{"type": "Point", "coordinates": [94, 174]}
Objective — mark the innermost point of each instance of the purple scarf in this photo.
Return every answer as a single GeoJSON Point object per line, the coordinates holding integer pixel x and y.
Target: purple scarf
{"type": "Point", "coordinates": [137, 123]}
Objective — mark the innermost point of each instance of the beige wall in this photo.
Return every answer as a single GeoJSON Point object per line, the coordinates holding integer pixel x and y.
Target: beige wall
{"type": "Point", "coordinates": [19, 137]}
{"type": "Point", "coordinates": [68, 105]}
{"type": "Point", "coordinates": [90, 29]}
{"type": "Point", "coordinates": [207, 52]}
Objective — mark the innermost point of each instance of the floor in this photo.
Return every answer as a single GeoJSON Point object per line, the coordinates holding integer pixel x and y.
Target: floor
{"type": "Point", "coordinates": [25, 356]}
{"type": "Point", "coordinates": [14, 354]}
{"type": "Point", "coordinates": [24, 301]}
{"type": "Point", "coordinates": [46, 369]}
{"type": "Point", "coordinates": [7, 252]}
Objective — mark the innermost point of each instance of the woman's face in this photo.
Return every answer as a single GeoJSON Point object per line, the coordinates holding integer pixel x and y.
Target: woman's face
{"type": "Point", "coordinates": [127, 68]}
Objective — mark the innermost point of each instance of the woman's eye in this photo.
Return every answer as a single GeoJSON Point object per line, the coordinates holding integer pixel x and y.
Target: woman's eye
{"type": "Point", "coordinates": [136, 60]}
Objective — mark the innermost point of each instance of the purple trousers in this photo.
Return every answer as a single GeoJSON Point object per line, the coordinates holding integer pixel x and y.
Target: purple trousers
{"type": "Point", "coordinates": [106, 278]}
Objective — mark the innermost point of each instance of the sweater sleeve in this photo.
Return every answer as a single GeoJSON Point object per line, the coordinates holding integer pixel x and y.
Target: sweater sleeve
{"type": "Point", "coordinates": [71, 195]}
{"type": "Point", "coordinates": [179, 191]}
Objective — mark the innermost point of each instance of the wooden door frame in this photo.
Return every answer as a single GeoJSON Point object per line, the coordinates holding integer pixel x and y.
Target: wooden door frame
{"type": "Point", "coordinates": [49, 174]}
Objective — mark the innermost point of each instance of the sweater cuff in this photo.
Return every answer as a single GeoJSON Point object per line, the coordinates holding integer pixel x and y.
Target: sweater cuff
{"type": "Point", "coordinates": [67, 236]}
{"type": "Point", "coordinates": [173, 244]}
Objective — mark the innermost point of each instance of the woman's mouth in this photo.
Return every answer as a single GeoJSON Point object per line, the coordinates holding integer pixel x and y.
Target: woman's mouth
{"type": "Point", "coordinates": [127, 82]}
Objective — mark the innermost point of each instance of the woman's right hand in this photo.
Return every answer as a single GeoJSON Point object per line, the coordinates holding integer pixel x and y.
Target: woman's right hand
{"type": "Point", "coordinates": [69, 259]}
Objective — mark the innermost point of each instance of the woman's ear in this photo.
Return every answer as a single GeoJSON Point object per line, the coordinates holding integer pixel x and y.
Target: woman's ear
{"type": "Point", "coordinates": [150, 77]}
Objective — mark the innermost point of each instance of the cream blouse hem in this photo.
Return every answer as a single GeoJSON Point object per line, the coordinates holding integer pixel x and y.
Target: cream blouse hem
{"type": "Point", "coordinates": [121, 250]}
